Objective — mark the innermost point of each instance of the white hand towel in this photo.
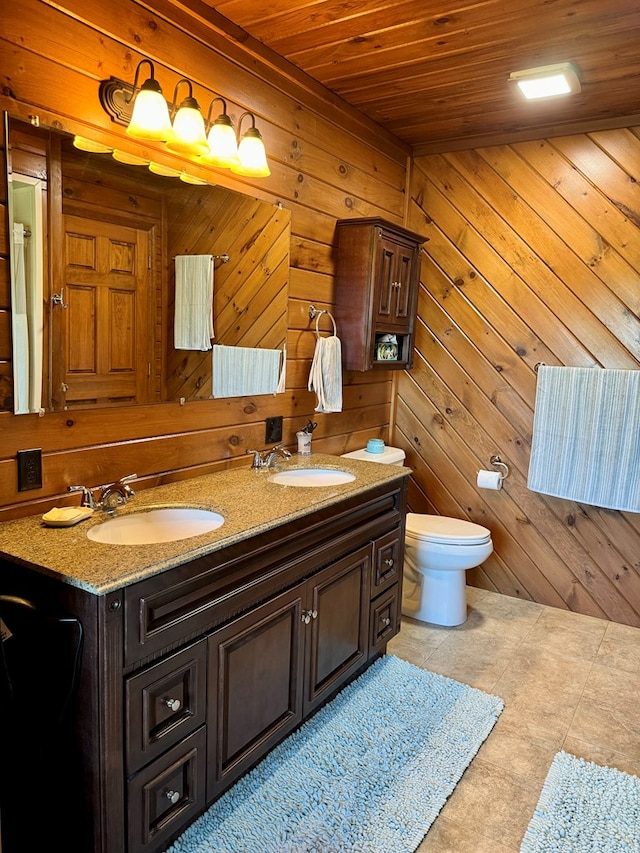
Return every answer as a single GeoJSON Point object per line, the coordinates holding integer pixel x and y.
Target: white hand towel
{"type": "Point", "coordinates": [325, 376]}
{"type": "Point", "coordinates": [193, 326]}
{"type": "Point", "coordinates": [20, 329]}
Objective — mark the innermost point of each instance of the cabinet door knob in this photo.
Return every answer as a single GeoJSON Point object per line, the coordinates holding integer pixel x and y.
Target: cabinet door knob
{"type": "Point", "coordinates": [389, 561]}
{"type": "Point", "coordinates": [174, 704]}
{"type": "Point", "coordinates": [386, 621]}
{"type": "Point", "coordinates": [305, 617]}
{"type": "Point", "coordinates": [172, 796]}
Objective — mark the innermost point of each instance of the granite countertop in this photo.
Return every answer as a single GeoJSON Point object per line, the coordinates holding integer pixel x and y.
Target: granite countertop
{"type": "Point", "coordinates": [248, 501]}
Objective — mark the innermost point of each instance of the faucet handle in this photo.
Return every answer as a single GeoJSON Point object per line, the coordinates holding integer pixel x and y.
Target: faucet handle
{"type": "Point", "coordinates": [257, 458]}
{"type": "Point", "coordinates": [87, 495]}
{"type": "Point", "coordinates": [124, 482]}
{"type": "Point", "coordinates": [282, 450]}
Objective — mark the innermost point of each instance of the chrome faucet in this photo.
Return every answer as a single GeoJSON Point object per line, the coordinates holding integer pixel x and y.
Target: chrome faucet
{"type": "Point", "coordinates": [265, 458]}
{"type": "Point", "coordinates": [111, 497]}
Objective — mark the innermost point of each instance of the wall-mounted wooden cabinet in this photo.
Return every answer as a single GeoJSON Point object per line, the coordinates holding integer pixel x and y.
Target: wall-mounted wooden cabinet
{"type": "Point", "coordinates": [377, 278]}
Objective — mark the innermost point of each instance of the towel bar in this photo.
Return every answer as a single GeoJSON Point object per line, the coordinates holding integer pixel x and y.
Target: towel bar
{"type": "Point", "coordinates": [224, 258]}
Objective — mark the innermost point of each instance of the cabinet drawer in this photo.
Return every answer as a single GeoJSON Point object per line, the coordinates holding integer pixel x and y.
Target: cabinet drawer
{"type": "Point", "coordinates": [387, 562]}
{"type": "Point", "coordinates": [384, 620]}
{"type": "Point", "coordinates": [165, 703]}
{"type": "Point", "coordinates": [167, 795]}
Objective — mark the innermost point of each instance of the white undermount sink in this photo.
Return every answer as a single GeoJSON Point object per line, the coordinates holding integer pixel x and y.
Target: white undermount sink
{"type": "Point", "coordinates": [152, 526]}
{"type": "Point", "coordinates": [311, 477]}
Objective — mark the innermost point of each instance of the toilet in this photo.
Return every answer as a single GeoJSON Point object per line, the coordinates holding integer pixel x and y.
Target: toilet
{"type": "Point", "coordinates": [438, 551]}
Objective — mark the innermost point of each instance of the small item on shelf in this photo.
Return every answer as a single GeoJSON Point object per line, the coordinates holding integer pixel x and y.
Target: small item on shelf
{"type": "Point", "coordinates": [387, 348]}
{"type": "Point", "coordinates": [375, 445]}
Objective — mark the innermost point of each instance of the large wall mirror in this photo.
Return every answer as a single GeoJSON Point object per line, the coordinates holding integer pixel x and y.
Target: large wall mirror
{"type": "Point", "coordinates": [94, 243]}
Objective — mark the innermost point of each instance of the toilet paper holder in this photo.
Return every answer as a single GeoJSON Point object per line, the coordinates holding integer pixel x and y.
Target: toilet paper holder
{"type": "Point", "coordinates": [498, 463]}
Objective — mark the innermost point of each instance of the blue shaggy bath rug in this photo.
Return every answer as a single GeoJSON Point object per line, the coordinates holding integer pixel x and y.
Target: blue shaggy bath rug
{"type": "Point", "coordinates": [369, 772]}
{"type": "Point", "coordinates": [585, 808]}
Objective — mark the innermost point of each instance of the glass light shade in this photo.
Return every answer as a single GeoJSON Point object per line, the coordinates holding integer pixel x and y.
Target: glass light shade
{"type": "Point", "coordinates": [189, 136]}
{"type": "Point", "coordinates": [252, 158]}
{"type": "Point", "coordinates": [165, 171]}
{"type": "Point", "coordinates": [131, 159]}
{"type": "Point", "coordinates": [223, 148]}
{"type": "Point", "coordinates": [191, 179]}
{"type": "Point", "coordinates": [84, 144]}
{"type": "Point", "coordinates": [150, 116]}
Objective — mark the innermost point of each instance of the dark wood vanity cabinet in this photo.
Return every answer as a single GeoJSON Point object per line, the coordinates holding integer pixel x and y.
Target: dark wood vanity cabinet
{"type": "Point", "coordinates": [377, 279]}
{"type": "Point", "coordinates": [292, 652]}
{"type": "Point", "coordinates": [193, 674]}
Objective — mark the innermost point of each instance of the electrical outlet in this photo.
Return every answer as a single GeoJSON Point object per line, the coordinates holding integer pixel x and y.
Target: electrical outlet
{"type": "Point", "coordinates": [273, 430]}
{"type": "Point", "coordinates": [29, 469]}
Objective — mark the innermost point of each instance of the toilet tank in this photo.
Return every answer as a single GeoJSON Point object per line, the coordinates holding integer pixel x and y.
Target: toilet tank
{"type": "Point", "coordinates": [389, 456]}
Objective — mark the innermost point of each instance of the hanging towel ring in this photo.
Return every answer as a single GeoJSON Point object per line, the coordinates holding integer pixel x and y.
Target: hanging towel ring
{"type": "Point", "coordinates": [328, 313]}
{"type": "Point", "coordinates": [314, 312]}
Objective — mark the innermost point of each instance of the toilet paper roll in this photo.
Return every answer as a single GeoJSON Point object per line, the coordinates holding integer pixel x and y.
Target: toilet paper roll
{"type": "Point", "coordinates": [489, 479]}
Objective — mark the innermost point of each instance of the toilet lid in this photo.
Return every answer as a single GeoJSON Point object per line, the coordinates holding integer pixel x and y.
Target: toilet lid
{"type": "Point", "coordinates": [440, 528]}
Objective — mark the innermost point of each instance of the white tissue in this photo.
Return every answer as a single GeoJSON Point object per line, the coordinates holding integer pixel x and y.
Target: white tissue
{"type": "Point", "coordinates": [489, 479]}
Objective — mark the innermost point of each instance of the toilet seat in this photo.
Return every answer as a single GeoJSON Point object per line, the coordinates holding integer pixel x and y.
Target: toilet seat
{"type": "Point", "coordinates": [446, 531]}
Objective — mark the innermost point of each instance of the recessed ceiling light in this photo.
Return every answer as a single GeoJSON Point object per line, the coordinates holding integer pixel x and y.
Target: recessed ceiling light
{"type": "Point", "coordinates": [547, 81]}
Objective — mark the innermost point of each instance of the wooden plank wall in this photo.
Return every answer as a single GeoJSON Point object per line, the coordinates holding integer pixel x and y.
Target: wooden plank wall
{"type": "Point", "coordinates": [534, 256]}
{"type": "Point", "coordinates": [327, 163]}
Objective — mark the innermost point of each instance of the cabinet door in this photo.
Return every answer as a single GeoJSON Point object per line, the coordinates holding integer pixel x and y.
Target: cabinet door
{"type": "Point", "coordinates": [395, 283]}
{"type": "Point", "coordinates": [255, 686]}
{"type": "Point", "coordinates": [337, 613]}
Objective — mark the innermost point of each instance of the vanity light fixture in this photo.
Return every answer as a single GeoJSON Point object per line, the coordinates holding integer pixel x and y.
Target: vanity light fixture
{"type": "Point", "coordinates": [252, 158]}
{"type": "Point", "coordinates": [547, 81]}
{"type": "Point", "coordinates": [189, 135]}
{"type": "Point", "coordinates": [148, 116]}
{"type": "Point", "coordinates": [223, 146]}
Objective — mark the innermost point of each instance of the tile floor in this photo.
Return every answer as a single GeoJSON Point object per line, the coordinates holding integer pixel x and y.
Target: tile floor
{"type": "Point", "coordinates": [568, 682]}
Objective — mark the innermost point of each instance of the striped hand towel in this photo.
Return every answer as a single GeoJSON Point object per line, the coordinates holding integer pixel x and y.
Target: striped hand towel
{"type": "Point", "coordinates": [193, 325]}
{"type": "Point", "coordinates": [586, 436]}
{"type": "Point", "coordinates": [242, 371]}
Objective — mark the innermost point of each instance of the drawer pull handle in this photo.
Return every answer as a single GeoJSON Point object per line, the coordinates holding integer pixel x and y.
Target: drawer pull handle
{"type": "Point", "coordinates": [174, 704]}
{"type": "Point", "coordinates": [389, 561]}
{"type": "Point", "coordinates": [173, 797]}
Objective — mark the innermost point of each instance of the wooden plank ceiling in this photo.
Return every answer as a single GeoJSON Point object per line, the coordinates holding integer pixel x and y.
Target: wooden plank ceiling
{"type": "Point", "coordinates": [435, 74]}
